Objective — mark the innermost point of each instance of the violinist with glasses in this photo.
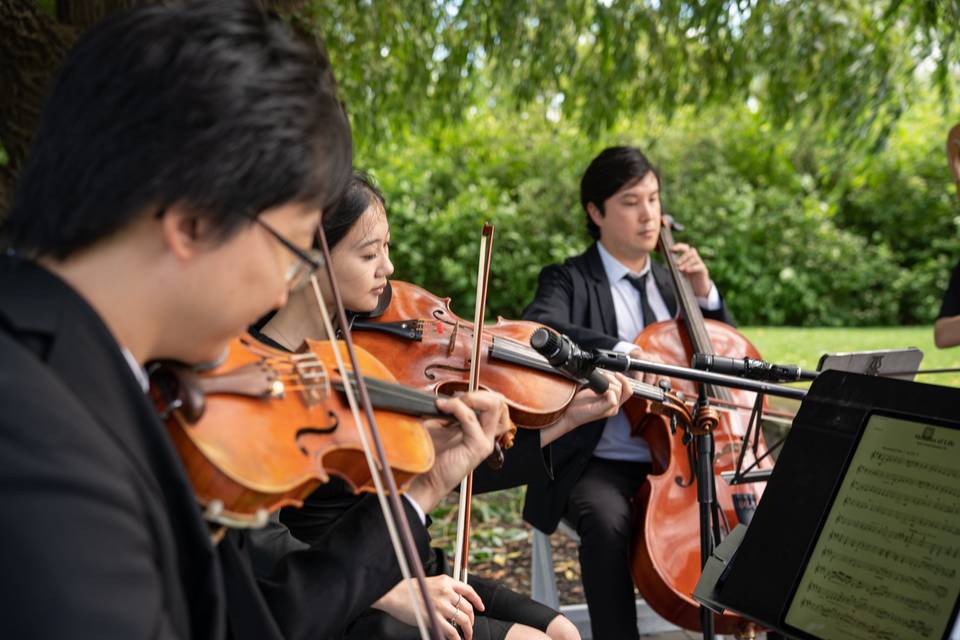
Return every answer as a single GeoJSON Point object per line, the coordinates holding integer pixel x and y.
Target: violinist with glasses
{"type": "Point", "coordinates": [170, 197]}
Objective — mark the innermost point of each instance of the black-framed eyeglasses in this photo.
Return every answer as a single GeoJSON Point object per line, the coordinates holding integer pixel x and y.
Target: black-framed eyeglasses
{"type": "Point", "coordinates": [307, 263]}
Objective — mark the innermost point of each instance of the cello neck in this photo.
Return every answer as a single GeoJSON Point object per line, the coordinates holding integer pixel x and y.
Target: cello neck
{"type": "Point", "coordinates": [687, 300]}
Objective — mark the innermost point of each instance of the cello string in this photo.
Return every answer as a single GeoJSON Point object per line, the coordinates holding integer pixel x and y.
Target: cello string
{"type": "Point", "coordinates": [388, 515]}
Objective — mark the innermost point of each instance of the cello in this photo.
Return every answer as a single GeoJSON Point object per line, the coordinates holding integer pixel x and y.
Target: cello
{"type": "Point", "coordinates": [666, 552]}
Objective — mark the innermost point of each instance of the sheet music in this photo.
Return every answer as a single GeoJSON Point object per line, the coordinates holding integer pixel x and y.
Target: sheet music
{"type": "Point", "coordinates": [887, 563]}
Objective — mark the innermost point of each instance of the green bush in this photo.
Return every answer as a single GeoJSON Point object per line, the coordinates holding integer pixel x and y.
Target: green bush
{"type": "Point", "coordinates": [793, 233]}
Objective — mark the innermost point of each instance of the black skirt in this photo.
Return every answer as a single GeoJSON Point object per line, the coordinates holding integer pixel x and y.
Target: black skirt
{"type": "Point", "coordinates": [504, 608]}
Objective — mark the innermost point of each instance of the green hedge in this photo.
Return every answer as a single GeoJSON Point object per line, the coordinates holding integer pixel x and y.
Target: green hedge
{"type": "Point", "coordinates": [794, 233]}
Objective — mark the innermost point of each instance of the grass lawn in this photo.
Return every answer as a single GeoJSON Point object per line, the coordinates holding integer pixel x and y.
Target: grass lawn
{"type": "Point", "coordinates": [802, 346]}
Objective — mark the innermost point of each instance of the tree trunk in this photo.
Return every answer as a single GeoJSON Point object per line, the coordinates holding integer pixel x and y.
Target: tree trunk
{"type": "Point", "coordinates": [32, 46]}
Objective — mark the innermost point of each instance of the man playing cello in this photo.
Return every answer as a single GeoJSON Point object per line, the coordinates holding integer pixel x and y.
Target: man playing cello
{"type": "Point", "coordinates": [603, 298]}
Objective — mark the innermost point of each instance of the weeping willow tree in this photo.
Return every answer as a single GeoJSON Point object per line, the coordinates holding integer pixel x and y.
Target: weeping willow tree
{"type": "Point", "coordinates": [847, 67]}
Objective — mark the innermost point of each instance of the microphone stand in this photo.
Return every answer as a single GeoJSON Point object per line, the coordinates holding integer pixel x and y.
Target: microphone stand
{"type": "Point", "coordinates": [614, 361]}
{"type": "Point", "coordinates": [705, 420]}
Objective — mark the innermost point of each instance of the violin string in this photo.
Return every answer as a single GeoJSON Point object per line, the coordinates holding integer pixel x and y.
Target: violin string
{"type": "Point", "coordinates": [398, 396]}
{"type": "Point", "coordinates": [374, 470]}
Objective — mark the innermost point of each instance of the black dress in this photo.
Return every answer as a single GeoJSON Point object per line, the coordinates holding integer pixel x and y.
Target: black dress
{"type": "Point", "coordinates": [322, 510]}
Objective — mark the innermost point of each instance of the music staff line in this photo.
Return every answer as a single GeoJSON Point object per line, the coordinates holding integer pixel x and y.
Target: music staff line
{"type": "Point", "coordinates": [943, 525]}
{"type": "Point", "coordinates": [878, 613]}
{"type": "Point", "coordinates": [900, 558]}
{"type": "Point", "coordinates": [907, 481]}
{"type": "Point", "coordinates": [885, 573]}
{"type": "Point", "coordinates": [842, 579]}
{"type": "Point", "coordinates": [852, 623]}
{"type": "Point", "coordinates": [910, 463]}
{"type": "Point", "coordinates": [890, 494]}
{"type": "Point", "coordinates": [908, 538]}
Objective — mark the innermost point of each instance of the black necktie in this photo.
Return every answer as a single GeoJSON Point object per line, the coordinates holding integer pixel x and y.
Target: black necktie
{"type": "Point", "coordinates": [640, 284]}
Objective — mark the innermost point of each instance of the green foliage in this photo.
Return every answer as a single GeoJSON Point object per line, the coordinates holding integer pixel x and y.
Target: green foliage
{"type": "Point", "coordinates": [442, 188]}
{"type": "Point", "coordinates": [792, 235]}
{"type": "Point", "coordinates": [848, 65]}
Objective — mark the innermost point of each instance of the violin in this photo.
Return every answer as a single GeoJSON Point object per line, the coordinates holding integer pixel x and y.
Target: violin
{"type": "Point", "coordinates": [265, 427]}
{"type": "Point", "coordinates": [665, 558]}
{"type": "Point", "coordinates": [427, 346]}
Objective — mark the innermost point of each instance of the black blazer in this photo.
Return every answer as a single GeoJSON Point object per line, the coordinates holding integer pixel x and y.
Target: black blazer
{"type": "Point", "coordinates": [574, 298]}
{"type": "Point", "coordinates": [101, 536]}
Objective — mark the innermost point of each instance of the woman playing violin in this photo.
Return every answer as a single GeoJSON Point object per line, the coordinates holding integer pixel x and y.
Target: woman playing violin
{"type": "Point", "coordinates": [359, 235]}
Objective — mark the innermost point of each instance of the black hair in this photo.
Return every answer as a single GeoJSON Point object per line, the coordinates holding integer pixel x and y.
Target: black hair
{"type": "Point", "coordinates": [214, 105]}
{"type": "Point", "coordinates": [357, 198]}
{"type": "Point", "coordinates": [612, 170]}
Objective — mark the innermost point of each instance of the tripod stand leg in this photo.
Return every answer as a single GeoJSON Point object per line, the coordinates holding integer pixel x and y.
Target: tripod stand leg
{"type": "Point", "coordinates": [704, 444]}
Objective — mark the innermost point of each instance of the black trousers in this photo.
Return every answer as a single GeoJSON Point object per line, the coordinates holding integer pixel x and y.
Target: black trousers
{"type": "Point", "coordinates": [600, 509]}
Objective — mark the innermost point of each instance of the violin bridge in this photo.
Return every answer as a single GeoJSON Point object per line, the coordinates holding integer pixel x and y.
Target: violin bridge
{"type": "Point", "coordinates": [313, 376]}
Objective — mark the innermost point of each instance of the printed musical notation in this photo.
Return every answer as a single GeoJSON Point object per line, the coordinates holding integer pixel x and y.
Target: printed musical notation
{"type": "Point", "coordinates": [887, 561]}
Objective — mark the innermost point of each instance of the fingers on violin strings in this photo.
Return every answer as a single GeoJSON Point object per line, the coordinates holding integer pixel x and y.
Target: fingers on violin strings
{"type": "Point", "coordinates": [459, 409]}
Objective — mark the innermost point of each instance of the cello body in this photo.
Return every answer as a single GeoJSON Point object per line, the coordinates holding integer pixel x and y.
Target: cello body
{"type": "Point", "coordinates": [665, 558]}
{"type": "Point", "coordinates": [666, 553]}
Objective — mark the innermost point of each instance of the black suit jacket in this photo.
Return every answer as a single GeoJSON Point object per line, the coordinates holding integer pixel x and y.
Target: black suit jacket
{"type": "Point", "coordinates": [101, 536]}
{"type": "Point", "coordinates": [574, 298]}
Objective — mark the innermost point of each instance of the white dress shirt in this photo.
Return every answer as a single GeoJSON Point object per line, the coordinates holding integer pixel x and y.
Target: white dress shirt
{"type": "Point", "coordinates": [616, 442]}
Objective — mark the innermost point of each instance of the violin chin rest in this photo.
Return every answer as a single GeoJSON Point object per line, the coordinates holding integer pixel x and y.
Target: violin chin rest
{"type": "Point", "coordinates": [177, 388]}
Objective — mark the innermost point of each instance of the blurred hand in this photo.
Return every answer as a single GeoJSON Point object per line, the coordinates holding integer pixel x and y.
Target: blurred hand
{"type": "Point", "coordinates": [482, 416]}
{"type": "Point", "coordinates": [691, 265]}
{"type": "Point", "coordinates": [649, 378]}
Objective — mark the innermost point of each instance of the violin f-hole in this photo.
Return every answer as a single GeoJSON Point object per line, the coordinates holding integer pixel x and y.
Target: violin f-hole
{"type": "Point", "coordinates": [317, 431]}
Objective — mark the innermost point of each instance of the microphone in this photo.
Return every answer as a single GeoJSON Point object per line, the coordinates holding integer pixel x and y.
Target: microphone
{"type": "Point", "coordinates": [751, 368]}
{"type": "Point", "coordinates": [562, 353]}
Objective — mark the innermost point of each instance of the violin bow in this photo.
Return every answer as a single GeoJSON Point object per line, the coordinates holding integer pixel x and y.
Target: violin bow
{"type": "Point", "coordinates": [393, 513]}
{"type": "Point", "coordinates": [466, 485]}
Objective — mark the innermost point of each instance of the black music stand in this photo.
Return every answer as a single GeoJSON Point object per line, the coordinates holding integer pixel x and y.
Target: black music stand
{"type": "Point", "coordinates": [856, 534]}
